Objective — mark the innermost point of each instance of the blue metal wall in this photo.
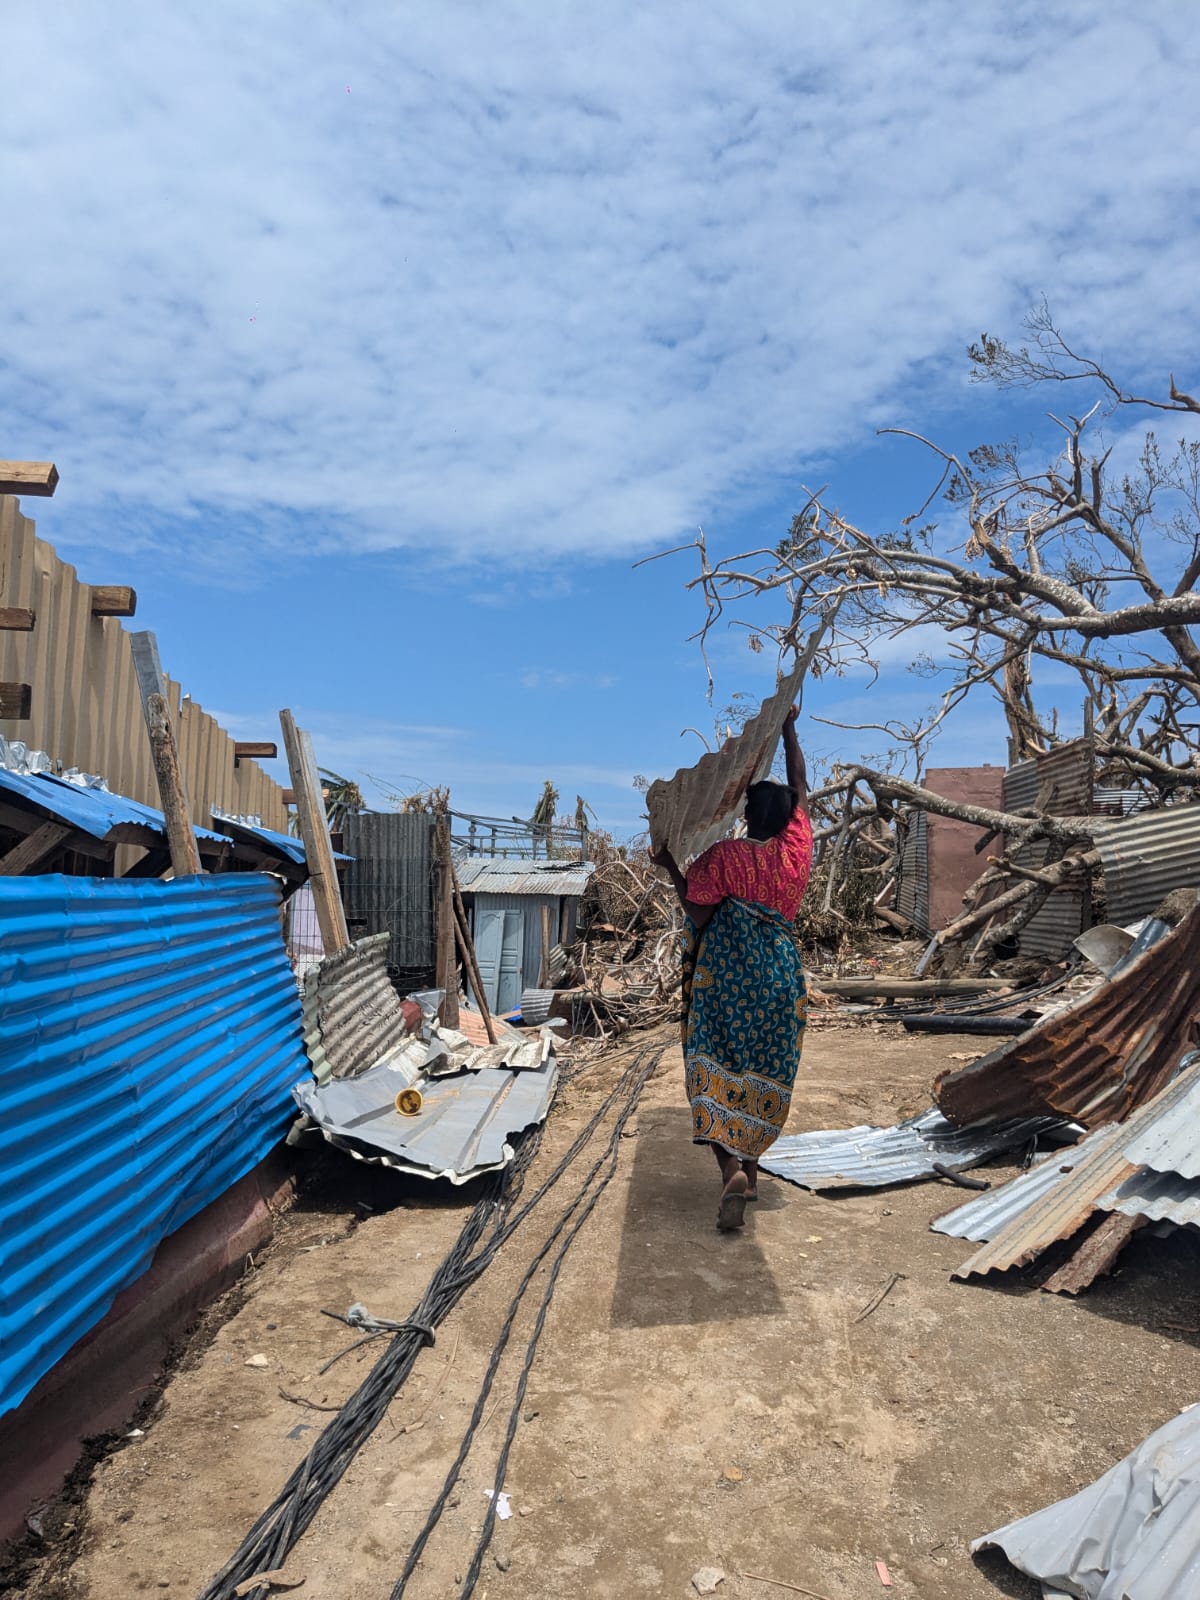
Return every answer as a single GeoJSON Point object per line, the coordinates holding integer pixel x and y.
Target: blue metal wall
{"type": "Point", "coordinates": [150, 1035]}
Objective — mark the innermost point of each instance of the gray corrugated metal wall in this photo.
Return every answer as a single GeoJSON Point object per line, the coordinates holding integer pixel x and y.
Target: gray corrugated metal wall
{"type": "Point", "coordinates": [388, 886]}
{"type": "Point", "coordinates": [1147, 856]}
{"type": "Point", "coordinates": [912, 876]}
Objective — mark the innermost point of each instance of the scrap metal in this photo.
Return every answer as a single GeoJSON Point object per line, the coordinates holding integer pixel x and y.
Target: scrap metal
{"type": "Point", "coordinates": [1147, 856]}
{"type": "Point", "coordinates": [982, 1219]}
{"type": "Point", "coordinates": [869, 1157]}
{"type": "Point", "coordinates": [1101, 1056]}
{"type": "Point", "coordinates": [1135, 1532]}
{"type": "Point", "coordinates": [699, 804]}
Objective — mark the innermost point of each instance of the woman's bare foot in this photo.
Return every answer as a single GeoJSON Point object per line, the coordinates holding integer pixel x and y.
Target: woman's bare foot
{"type": "Point", "coordinates": [732, 1211]}
{"type": "Point", "coordinates": [750, 1168]}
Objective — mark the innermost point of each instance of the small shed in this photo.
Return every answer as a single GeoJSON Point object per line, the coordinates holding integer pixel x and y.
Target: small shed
{"type": "Point", "coordinates": [515, 907]}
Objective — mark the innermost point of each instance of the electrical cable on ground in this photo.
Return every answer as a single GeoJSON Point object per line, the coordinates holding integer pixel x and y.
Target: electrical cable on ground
{"type": "Point", "coordinates": [276, 1531]}
{"type": "Point", "coordinates": [586, 1199]}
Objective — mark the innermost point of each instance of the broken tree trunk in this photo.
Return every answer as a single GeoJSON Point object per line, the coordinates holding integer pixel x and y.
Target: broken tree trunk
{"type": "Point", "coordinates": [470, 963]}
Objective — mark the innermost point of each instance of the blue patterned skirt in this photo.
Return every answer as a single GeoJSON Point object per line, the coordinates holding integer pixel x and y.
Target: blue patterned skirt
{"type": "Point", "coordinates": [745, 1009]}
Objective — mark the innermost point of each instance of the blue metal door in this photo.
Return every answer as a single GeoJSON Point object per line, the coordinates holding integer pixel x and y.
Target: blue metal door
{"type": "Point", "coordinates": [498, 938]}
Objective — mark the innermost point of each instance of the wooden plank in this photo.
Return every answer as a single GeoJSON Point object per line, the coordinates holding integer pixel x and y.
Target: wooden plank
{"type": "Point", "coordinates": [289, 796]}
{"type": "Point", "coordinates": [907, 988]}
{"type": "Point", "coordinates": [17, 619]}
{"type": "Point", "coordinates": [152, 865]}
{"type": "Point", "coordinates": [314, 830]}
{"type": "Point", "coordinates": [181, 836]}
{"type": "Point", "coordinates": [470, 963]}
{"type": "Point", "coordinates": [254, 750]}
{"type": "Point", "coordinates": [28, 477]}
{"type": "Point", "coordinates": [445, 970]}
{"type": "Point", "coordinates": [113, 600]}
{"type": "Point", "coordinates": [16, 701]}
{"type": "Point", "coordinates": [33, 848]}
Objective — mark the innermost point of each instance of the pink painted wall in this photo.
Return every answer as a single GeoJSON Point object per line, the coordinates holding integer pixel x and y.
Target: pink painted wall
{"type": "Point", "coordinates": [953, 864]}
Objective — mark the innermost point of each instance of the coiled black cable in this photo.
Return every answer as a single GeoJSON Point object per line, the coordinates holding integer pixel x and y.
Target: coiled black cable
{"type": "Point", "coordinates": [277, 1530]}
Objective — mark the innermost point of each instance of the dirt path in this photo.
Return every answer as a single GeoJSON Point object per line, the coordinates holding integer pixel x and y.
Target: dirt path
{"type": "Point", "coordinates": [697, 1400]}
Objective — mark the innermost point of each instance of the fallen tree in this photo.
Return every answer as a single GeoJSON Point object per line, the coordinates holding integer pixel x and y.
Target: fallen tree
{"type": "Point", "coordinates": [1077, 561]}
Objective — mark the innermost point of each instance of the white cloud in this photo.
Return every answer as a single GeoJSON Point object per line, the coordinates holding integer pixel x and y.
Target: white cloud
{"type": "Point", "coordinates": [555, 678]}
{"type": "Point", "coordinates": [549, 282]}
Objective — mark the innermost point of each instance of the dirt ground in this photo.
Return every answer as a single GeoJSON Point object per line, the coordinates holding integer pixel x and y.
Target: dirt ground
{"type": "Point", "coordinates": [697, 1400]}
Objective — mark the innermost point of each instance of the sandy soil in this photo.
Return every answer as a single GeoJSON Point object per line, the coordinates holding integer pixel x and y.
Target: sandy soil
{"type": "Point", "coordinates": [697, 1400]}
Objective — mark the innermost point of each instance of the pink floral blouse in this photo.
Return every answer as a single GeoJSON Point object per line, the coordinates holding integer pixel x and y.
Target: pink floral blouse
{"type": "Point", "coordinates": [769, 872]}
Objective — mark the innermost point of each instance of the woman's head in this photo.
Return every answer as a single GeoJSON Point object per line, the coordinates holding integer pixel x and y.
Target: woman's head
{"type": "Point", "coordinates": [769, 808]}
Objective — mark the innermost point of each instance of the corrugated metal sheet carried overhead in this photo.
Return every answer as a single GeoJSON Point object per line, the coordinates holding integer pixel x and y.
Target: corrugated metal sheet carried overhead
{"type": "Point", "coordinates": [867, 1157]}
{"type": "Point", "coordinates": [699, 804]}
{"type": "Point", "coordinates": [487, 875]}
{"type": "Point", "coordinates": [149, 1042]}
{"type": "Point", "coordinates": [1146, 856]}
{"type": "Point", "coordinates": [93, 811]}
{"type": "Point", "coordinates": [1096, 1059]}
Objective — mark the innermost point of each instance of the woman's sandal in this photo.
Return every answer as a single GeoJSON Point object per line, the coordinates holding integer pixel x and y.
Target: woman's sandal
{"type": "Point", "coordinates": [732, 1211]}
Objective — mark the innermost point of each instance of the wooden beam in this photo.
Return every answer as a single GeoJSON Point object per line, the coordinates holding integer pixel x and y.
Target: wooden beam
{"type": "Point", "coordinates": [254, 750]}
{"type": "Point", "coordinates": [152, 865]}
{"type": "Point", "coordinates": [314, 830]}
{"type": "Point", "coordinates": [28, 477]}
{"type": "Point", "coordinates": [17, 619]}
{"type": "Point", "coordinates": [181, 836]}
{"type": "Point", "coordinates": [445, 971]}
{"type": "Point", "coordinates": [470, 962]}
{"type": "Point", "coordinates": [34, 847]}
{"type": "Point", "coordinates": [289, 797]}
{"type": "Point", "coordinates": [113, 600]}
{"type": "Point", "coordinates": [16, 701]}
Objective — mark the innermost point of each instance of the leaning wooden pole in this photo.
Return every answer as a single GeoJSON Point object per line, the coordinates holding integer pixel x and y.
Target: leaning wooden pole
{"type": "Point", "coordinates": [164, 750]}
{"type": "Point", "coordinates": [446, 974]}
{"type": "Point", "coordinates": [470, 963]}
{"type": "Point", "coordinates": [314, 831]}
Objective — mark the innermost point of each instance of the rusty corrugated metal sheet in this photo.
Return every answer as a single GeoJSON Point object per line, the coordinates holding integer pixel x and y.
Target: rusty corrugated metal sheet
{"type": "Point", "coordinates": [1096, 1060]}
{"type": "Point", "coordinates": [698, 805]}
{"type": "Point", "coordinates": [1066, 777]}
{"type": "Point", "coordinates": [1146, 856]}
{"type": "Point", "coordinates": [982, 1219]}
{"type": "Point", "coordinates": [1100, 1165]}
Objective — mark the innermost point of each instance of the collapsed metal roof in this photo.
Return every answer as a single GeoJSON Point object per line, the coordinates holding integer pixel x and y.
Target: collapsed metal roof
{"type": "Point", "coordinates": [699, 804]}
{"type": "Point", "coordinates": [282, 845]}
{"type": "Point", "coordinates": [869, 1157]}
{"type": "Point", "coordinates": [487, 875]}
{"type": "Point", "coordinates": [1098, 1058]}
{"type": "Point", "coordinates": [1133, 1533]}
{"type": "Point", "coordinates": [983, 1218]}
{"type": "Point", "coordinates": [463, 1127]}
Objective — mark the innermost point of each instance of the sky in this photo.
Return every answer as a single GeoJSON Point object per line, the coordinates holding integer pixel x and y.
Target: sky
{"type": "Point", "coordinates": [375, 343]}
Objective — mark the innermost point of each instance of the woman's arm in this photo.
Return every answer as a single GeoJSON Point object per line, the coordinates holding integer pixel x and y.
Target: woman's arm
{"type": "Point", "coordinates": [797, 770]}
{"type": "Point", "coordinates": [699, 914]}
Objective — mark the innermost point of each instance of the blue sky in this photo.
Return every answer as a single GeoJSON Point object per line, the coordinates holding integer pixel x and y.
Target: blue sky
{"type": "Point", "coordinates": [374, 343]}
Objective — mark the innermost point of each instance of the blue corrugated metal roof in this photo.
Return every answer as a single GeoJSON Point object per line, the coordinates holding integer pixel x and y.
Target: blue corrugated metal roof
{"type": "Point", "coordinates": [150, 1037]}
{"type": "Point", "coordinates": [281, 844]}
{"type": "Point", "coordinates": [92, 811]}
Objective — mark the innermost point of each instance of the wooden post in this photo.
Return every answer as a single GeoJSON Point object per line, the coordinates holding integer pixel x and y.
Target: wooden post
{"type": "Point", "coordinates": [28, 477]}
{"type": "Point", "coordinates": [470, 962]}
{"type": "Point", "coordinates": [16, 701]}
{"type": "Point", "coordinates": [254, 750]}
{"type": "Point", "coordinates": [113, 600]}
{"type": "Point", "coordinates": [446, 973]}
{"type": "Point", "coordinates": [544, 974]}
{"type": "Point", "coordinates": [181, 836]}
{"type": "Point", "coordinates": [314, 830]}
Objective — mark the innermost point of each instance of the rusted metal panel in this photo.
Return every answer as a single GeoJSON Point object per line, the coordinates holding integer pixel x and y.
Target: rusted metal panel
{"type": "Point", "coordinates": [699, 804]}
{"type": "Point", "coordinates": [1099, 1058]}
{"type": "Point", "coordinates": [1146, 856]}
{"type": "Point", "coordinates": [1100, 1165]}
{"type": "Point", "coordinates": [984, 1218]}
{"type": "Point", "coordinates": [1066, 777]}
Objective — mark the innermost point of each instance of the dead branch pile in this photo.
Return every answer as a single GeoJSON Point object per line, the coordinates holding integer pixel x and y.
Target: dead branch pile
{"type": "Point", "coordinates": [628, 957]}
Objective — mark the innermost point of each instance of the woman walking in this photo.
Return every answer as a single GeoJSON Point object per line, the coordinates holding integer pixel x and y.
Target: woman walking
{"type": "Point", "coordinates": [745, 1004]}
